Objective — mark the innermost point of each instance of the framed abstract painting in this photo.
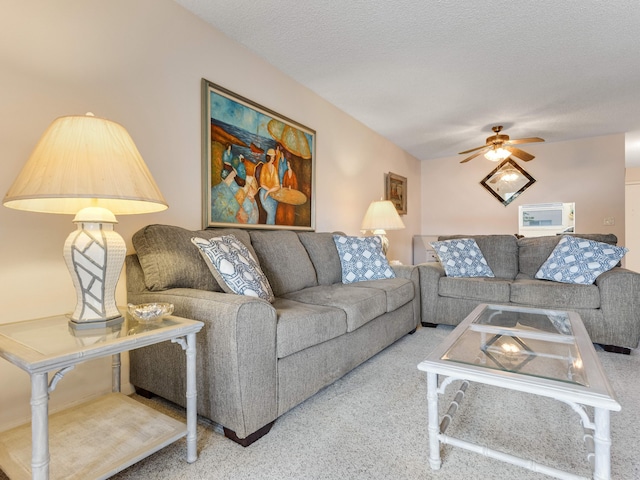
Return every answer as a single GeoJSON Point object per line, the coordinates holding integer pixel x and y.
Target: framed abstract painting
{"type": "Point", "coordinates": [258, 167]}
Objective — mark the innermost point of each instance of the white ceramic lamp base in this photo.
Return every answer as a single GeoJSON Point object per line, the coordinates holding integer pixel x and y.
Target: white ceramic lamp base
{"type": "Point", "coordinates": [95, 254]}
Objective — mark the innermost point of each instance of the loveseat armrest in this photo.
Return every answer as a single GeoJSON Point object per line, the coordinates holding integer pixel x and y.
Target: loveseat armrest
{"type": "Point", "coordinates": [620, 304]}
{"type": "Point", "coordinates": [236, 374]}
{"type": "Point", "coordinates": [430, 274]}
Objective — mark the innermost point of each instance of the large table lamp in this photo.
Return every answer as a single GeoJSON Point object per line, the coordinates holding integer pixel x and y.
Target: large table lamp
{"type": "Point", "coordinates": [88, 167]}
{"type": "Point", "coordinates": [380, 217]}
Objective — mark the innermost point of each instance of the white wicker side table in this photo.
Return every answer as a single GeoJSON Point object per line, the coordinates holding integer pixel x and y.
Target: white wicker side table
{"type": "Point", "coordinates": [102, 436]}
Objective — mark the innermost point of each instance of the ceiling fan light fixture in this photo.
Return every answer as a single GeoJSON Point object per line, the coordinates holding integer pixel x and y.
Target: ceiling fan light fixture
{"type": "Point", "coordinates": [497, 154]}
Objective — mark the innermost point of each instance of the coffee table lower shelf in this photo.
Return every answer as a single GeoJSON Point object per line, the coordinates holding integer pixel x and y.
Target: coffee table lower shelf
{"type": "Point", "coordinates": [96, 439]}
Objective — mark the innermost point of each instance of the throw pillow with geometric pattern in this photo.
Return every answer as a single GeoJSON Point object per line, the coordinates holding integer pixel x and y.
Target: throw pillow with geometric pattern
{"type": "Point", "coordinates": [362, 259]}
{"type": "Point", "coordinates": [233, 266]}
{"type": "Point", "coordinates": [461, 257]}
{"type": "Point", "coordinates": [581, 261]}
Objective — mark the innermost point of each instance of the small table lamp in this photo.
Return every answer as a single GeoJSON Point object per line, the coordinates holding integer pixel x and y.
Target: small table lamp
{"type": "Point", "coordinates": [90, 167]}
{"type": "Point", "coordinates": [381, 216]}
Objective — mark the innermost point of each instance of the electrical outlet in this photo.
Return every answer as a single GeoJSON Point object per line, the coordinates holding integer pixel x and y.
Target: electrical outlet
{"type": "Point", "coordinates": [609, 221]}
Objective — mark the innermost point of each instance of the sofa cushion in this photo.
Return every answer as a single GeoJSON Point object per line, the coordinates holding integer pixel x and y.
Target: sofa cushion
{"type": "Point", "coordinates": [500, 252]}
{"type": "Point", "coordinates": [362, 259]}
{"type": "Point", "coordinates": [579, 260]}
{"type": "Point", "coordinates": [546, 294]}
{"type": "Point", "coordinates": [462, 257]}
{"type": "Point", "coordinates": [534, 251]}
{"type": "Point", "coordinates": [494, 290]}
{"type": "Point", "coordinates": [324, 256]}
{"type": "Point", "coordinates": [361, 304]}
{"type": "Point", "coordinates": [284, 261]}
{"type": "Point", "coordinates": [302, 325]}
{"type": "Point", "coordinates": [169, 259]}
{"type": "Point", "coordinates": [233, 266]}
{"type": "Point", "coordinates": [399, 291]}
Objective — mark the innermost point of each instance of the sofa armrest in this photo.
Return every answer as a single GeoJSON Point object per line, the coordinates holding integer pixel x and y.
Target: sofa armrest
{"type": "Point", "coordinates": [620, 304]}
{"type": "Point", "coordinates": [236, 374]}
{"type": "Point", "coordinates": [430, 274]}
{"type": "Point", "coordinates": [411, 272]}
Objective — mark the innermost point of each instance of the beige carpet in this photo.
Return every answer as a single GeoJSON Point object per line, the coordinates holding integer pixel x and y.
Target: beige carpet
{"type": "Point", "coordinates": [371, 424]}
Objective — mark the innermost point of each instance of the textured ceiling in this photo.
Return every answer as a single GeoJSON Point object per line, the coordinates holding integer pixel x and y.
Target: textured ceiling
{"type": "Point", "coordinates": [434, 76]}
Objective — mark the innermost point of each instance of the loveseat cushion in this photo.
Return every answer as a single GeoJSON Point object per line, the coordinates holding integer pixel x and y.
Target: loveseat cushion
{"type": "Point", "coordinates": [534, 251]}
{"type": "Point", "coordinates": [546, 294]}
{"type": "Point", "coordinates": [399, 291]}
{"type": "Point", "coordinates": [324, 256]}
{"type": "Point", "coordinates": [302, 325]}
{"type": "Point", "coordinates": [284, 261]}
{"type": "Point", "coordinates": [500, 252]}
{"type": "Point", "coordinates": [462, 258]}
{"type": "Point", "coordinates": [580, 260]}
{"type": "Point", "coordinates": [493, 290]}
{"type": "Point", "coordinates": [169, 259]}
{"type": "Point", "coordinates": [361, 304]}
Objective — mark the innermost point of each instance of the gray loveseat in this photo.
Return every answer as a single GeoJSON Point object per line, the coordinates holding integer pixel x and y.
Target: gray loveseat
{"type": "Point", "coordinates": [610, 308]}
{"type": "Point", "coordinates": [258, 360]}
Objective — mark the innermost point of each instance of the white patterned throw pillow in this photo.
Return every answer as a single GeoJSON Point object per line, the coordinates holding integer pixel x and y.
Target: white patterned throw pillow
{"type": "Point", "coordinates": [462, 257]}
{"type": "Point", "coordinates": [578, 260]}
{"type": "Point", "coordinates": [233, 266]}
{"type": "Point", "coordinates": [362, 259]}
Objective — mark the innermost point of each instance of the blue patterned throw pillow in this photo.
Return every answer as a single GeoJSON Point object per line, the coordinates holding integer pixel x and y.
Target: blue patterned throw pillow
{"type": "Point", "coordinates": [362, 259]}
{"type": "Point", "coordinates": [233, 266]}
{"type": "Point", "coordinates": [462, 257]}
{"type": "Point", "coordinates": [578, 260]}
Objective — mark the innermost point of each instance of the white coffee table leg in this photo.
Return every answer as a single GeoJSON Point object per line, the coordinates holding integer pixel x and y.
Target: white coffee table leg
{"type": "Point", "coordinates": [602, 443]}
{"type": "Point", "coordinates": [434, 423]}
{"type": "Point", "coordinates": [192, 410]}
{"type": "Point", "coordinates": [39, 426]}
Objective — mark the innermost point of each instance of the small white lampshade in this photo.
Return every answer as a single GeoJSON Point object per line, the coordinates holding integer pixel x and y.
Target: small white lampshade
{"type": "Point", "coordinates": [85, 161]}
{"type": "Point", "coordinates": [382, 215]}
{"type": "Point", "coordinates": [90, 167]}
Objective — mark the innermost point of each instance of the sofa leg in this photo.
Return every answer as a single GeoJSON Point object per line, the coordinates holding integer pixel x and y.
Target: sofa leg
{"type": "Point", "coordinates": [413, 331]}
{"type": "Point", "coordinates": [614, 349]}
{"type": "Point", "coordinates": [143, 393]}
{"type": "Point", "coordinates": [245, 442]}
{"type": "Point", "coordinates": [429, 325]}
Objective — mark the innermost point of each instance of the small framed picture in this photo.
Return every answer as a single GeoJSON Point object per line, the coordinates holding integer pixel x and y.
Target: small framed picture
{"type": "Point", "coordinates": [396, 191]}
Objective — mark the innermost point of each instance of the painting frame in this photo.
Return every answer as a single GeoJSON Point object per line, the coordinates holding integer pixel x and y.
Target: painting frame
{"type": "Point", "coordinates": [396, 191]}
{"type": "Point", "coordinates": [241, 139]}
{"type": "Point", "coordinates": [519, 181]}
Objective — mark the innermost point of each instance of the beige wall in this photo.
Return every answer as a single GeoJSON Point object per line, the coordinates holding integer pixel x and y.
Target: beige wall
{"type": "Point", "coordinates": [140, 63]}
{"type": "Point", "coordinates": [453, 201]}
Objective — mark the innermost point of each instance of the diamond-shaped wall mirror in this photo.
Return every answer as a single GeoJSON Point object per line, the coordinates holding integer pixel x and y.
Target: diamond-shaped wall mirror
{"type": "Point", "coordinates": [507, 181]}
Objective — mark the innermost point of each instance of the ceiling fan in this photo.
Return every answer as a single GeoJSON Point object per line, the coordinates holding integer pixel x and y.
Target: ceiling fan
{"type": "Point", "coordinates": [499, 147]}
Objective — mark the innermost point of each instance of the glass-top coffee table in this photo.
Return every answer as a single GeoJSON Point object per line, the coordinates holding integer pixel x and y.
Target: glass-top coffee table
{"type": "Point", "coordinates": [544, 352]}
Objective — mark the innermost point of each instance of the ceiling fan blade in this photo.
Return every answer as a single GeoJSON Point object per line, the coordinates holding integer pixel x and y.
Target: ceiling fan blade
{"type": "Point", "coordinates": [472, 150]}
{"type": "Point", "coordinates": [471, 157]}
{"type": "Point", "coordinates": [521, 154]}
{"type": "Point", "coordinates": [525, 140]}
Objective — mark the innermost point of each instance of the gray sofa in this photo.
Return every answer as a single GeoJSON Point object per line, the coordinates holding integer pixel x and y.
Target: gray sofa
{"type": "Point", "coordinates": [258, 360]}
{"type": "Point", "coordinates": [610, 308]}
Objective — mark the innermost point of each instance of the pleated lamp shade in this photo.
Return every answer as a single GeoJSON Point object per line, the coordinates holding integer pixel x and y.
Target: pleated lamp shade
{"type": "Point", "coordinates": [85, 161]}
{"type": "Point", "coordinates": [382, 215]}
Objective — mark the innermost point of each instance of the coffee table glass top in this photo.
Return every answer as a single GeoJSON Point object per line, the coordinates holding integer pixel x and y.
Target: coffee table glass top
{"type": "Point", "coordinates": [532, 342]}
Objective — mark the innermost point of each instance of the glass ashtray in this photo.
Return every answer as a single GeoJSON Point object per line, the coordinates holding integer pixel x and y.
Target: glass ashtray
{"type": "Point", "coordinates": [150, 312]}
